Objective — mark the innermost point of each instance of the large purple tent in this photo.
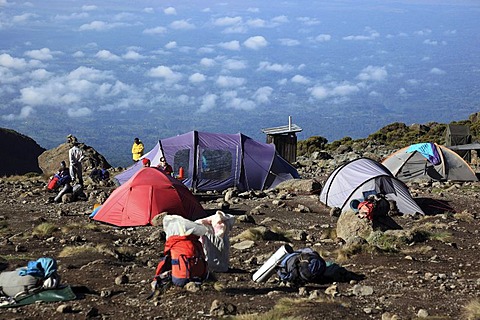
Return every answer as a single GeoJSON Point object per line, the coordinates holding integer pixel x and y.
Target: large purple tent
{"type": "Point", "coordinates": [213, 161]}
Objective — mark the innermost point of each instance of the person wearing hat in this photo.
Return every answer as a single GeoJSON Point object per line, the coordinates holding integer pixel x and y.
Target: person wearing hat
{"type": "Point", "coordinates": [146, 162]}
{"type": "Point", "coordinates": [75, 155]}
{"type": "Point", "coordinates": [165, 167]}
{"type": "Point", "coordinates": [137, 149]}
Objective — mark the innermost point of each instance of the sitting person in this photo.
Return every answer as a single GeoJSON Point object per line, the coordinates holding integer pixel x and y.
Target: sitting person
{"type": "Point", "coordinates": [165, 167]}
{"type": "Point", "coordinates": [61, 177]}
{"type": "Point", "coordinates": [63, 181]}
{"type": "Point", "coordinates": [98, 175]}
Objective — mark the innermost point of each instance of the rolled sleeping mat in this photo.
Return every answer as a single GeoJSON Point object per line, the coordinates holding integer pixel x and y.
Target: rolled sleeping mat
{"type": "Point", "coordinates": [268, 268]}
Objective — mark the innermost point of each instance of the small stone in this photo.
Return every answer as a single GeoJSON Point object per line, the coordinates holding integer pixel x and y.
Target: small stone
{"type": "Point", "coordinates": [64, 308]}
{"type": "Point", "coordinates": [422, 313]}
{"type": "Point", "coordinates": [123, 279]}
{"type": "Point", "coordinates": [192, 287]}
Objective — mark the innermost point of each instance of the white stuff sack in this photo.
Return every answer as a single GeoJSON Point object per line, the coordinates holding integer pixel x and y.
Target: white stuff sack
{"type": "Point", "coordinates": [216, 241]}
{"type": "Point", "coordinates": [179, 226]}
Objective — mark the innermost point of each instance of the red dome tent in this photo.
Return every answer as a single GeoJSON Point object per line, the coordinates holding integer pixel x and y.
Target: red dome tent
{"type": "Point", "coordinates": [146, 194]}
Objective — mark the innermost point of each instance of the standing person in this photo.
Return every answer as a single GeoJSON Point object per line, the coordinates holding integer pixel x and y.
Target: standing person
{"type": "Point", "coordinates": [137, 149]}
{"type": "Point", "coordinates": [75, 154]}
{"type": "Point", "coordinates": [165, 167]}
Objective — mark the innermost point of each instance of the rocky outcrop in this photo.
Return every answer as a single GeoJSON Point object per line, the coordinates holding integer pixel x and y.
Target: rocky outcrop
{"type": "Point", "coordinates": [49, 161]}
{"type": "Point", "coordinates": [19, 153]}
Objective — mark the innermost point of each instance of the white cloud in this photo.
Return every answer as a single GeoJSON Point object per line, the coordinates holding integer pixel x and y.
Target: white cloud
{"type": "Point", "coordinates": [182, 25]}
{"type": "Point", "coordinates": [323, 38]}
{"type": "Point", "coordinates": [90, 74]}
{"type": "Point", "coordinates": [372, 34]}
{"type": "Point", "coordinates": [171, 11]}
{"type": "Point", "coordinates": [107, 55]}
{"type": "Point", "coordinates": [341, 91]}
{"type": "Point", "coordinates": [255, 43]}
{"type": "Point", "coordinates": [256, 23]}
{"type": "Point", "coordinates": [209, 102]}
{"type": "Point", "coordinates": [207, 62]}
{"type": "Point", "coordinates": [264, 65]}
{"type": "Point", "coordinates": [344, 90]}
{"type": "Point", "coordinates": [231, 45]}
{"type": "Point", "coordinates": [42, 54]}
{"type": "Point", "coordinates": [262, 95]}
{"type": "Point", "coordinates": [229, 82]}
{"type": "Point", "coordinates": [437, 71]}
{"type": "Point", "coordinates": [197, 78]}
{"type": "Point", "coordinates": [8, 61]}
{"type": "Point", "coordinates": [232, 64]}
{"type": "Point", "coordinates": [373, 73]}
{"type": "Point", "coordinates": [235, 29]}
{"type": "Point", "coordinates": [430, 42]}
{"type": "Point", "coordinates": [89, 7]}
{"type": "Point", "coordinates": [289, 42]}
{"type": "Point", "coordinates": [149, 10]}
{"type": "Point", "coordinates": [23, 17]}
{"type": "Point", "coordinates": [424, 32]}
{"type": "Point", "coordinates": [171, 45]}
{"type": "Point", "coordinates": [402, 91]}
{"type": "Point", "coordinates": [132, 55]}
{"type": "Point", "coordinates": [78, 54]}
{"type": "Point", "coordinates": [300, 79]}
{"type": "Point", "coordinates": [227, 21]}
{"type": "Point", "coordinates": [99, 26]}
{"type": "Point", "coordinates": [80, 112]}
{"type": "Point", "coordinates": [40, 74]}
{"type": "Point", "coordinates": [156, 30]}
{"type": "Point", "coordinates": [232, 101]}
{"type": "Point", "coordinates": [253, 10]}
{"type": "Point", "coordinates": [280, 19]}
{"type": "Point", "coordinates": [309, 21]}
{"type": "Point", "coordinates": [166, 73]}
{"type": "Point", "coordinates": [25, 112]}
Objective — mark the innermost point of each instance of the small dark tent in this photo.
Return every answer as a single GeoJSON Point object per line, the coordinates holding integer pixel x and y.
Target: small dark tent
{"type": "Point", "coordinates": [358, 179]}
{"type": "Point", "coordinates": [429, 160]}
{"type": "Point", "coordinates": [148, 193]}
{"type": "Point", "coordinates": [456, 135]}
{"type": "Point", "coordinates": [214, 161]}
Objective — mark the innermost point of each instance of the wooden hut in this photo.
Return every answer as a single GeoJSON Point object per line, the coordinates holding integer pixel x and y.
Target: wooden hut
{"type": "Point", "coordinates": [285, 139]}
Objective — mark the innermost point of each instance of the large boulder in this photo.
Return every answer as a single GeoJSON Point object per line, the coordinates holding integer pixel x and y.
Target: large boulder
{"type": "Point", "coordinates": [303, 186]}
{"type": "Point", "coordinates": [350, 226]}
{"type": "Point", "coordinates": [49, 160]}
{"type": "Point", "coordinates": [19, 153]}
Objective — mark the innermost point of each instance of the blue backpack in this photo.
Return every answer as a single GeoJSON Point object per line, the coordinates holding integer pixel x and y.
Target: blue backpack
{"type": "Point", "coordinates": [301, 267]}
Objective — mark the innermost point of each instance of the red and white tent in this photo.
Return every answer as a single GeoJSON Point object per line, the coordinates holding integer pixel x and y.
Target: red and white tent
{"type": "Point", "coordinates": [146, 194]}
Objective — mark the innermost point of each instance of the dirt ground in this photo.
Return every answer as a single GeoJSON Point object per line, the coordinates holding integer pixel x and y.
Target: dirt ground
{"type": "Point", "coordinates": [434, 276]}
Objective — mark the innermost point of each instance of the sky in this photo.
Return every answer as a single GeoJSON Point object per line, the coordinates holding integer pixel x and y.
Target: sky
{"type": "Point", "coordinates": [110, 71]}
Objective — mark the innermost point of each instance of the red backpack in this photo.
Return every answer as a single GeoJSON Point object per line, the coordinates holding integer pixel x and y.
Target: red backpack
{"type": "Point", "coordinates": [184, 255]}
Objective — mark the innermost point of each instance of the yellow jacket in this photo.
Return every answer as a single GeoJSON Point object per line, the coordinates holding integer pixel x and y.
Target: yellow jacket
{"type": "Point", "coordinates": [137, 150]}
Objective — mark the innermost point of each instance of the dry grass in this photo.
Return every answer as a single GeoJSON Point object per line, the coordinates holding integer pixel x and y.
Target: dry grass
{"type": "Point", "coordinates": [3, 227]}
{"type": "Point", "coordinates": [71, 251]}
{"type": "Point", "coordinates": [417, 250]}
{"type": "Point", "coordinates": [345, 253]}
{"type": "Point", "coordinates": [259, 233]}
{"type": "Point", "coordinates": [45, 229]}
{"type": "Point", "coordinates": [471, 311]}
{"type": "Point", "coordinates": [285, 309]}
{"type": "Point", "coordinates": [77, 226]}
{"type": "Point", "coordinates": [464, 216]}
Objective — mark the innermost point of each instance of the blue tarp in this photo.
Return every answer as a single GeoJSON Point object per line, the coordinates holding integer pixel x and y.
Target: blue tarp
{"type": "Point", "coordinates": [428, 150]}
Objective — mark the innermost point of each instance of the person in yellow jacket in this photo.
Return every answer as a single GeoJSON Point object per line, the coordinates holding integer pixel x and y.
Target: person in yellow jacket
{"type": "Point", "coordinates": [137, 149]}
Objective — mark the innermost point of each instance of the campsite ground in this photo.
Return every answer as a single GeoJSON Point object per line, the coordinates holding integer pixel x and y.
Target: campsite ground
{"type": "Point", "coordinates": [435, 272]}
